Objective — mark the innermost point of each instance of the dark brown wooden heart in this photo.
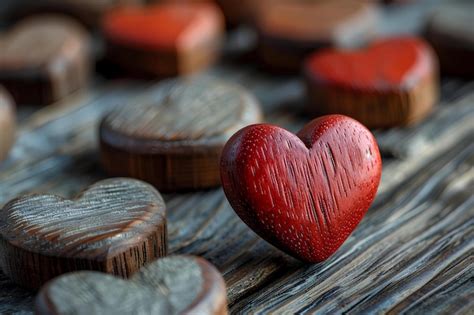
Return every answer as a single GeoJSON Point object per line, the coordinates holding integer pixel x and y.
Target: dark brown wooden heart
{"type": "Point", "coordinates": [290, 30]}
{"type": "Point", "coordinates": [43, 59]}
{"type": "Point", "coordinates": [7, 123]}
{"type": "Point", "coordinates": [115, 226]}
{"type": "Point", "coordinates": [172, 285]}
{"type": "Point", "coordinates": [450, 30]}
{"type": "Point", "coordinates": [172, 136]}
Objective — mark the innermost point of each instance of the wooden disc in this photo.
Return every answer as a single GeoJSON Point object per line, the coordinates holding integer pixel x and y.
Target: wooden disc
{"type": "Point", "coordinates": [172, 285]}
{"type": "Point", "coordinates": [43, 59]}
{"type": "Point", "coordinates": [115, 226]}
{"type": "Point", "coordinates": [88, 12]}
{"type": "Point", "coordinates": [393, 82]}
{"type": "Point", "coordinates": [450, 30]}
{"type": "Point", "coordinates": [290, 30]}
{"type": "Point", "coordinates": [172, 136]}
{"type": "Point", "coordinates": [163, 40]}
{"type": "Point", "coordinates": [7, 123]}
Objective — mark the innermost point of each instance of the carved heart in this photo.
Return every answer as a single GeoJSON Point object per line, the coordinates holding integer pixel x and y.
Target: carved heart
{"type": "Point", "coordinates": [304, 194]}
{"type": "Point", "coordinates": [115, 226]}
{"type": "Point", "coordinates": [392, 82]}
{"type": "Point", "coordinates": [43, 59]}
{"type": "Point", "coordinates": [172, 285]}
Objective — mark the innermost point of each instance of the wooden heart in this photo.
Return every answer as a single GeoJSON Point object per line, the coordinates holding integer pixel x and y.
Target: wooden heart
{"type": "Point", "coordinates": [43, 59]}
{"type": "Point", "coordinates": [303, 193]}
{"type": "Point", "coordinates": [172, 285]}
{"type": "Point", "coordinates": [291, 30]}
{"type": "Point", "coordinates": [172, 135]}
{"type": "Point", "coordinates": [393, 82]}
{"type": "Point", "coordinates": [115, 226]}
{"type": "Point", "coordinates": [7, 123]}
{"type": "Point", "coordinates": [165, 39]}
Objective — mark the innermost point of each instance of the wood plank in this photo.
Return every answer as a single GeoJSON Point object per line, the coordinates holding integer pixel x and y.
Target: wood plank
{"type": "Point", "coordinates": [419, 226]}
{"type": "Point", "coordinates": [413, 252]}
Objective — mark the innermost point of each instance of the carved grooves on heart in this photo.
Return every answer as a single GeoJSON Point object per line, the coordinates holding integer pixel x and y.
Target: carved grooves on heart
{"type": "Point", "coordinates": [157, 111]}
{"type": "Point", "coordinates": [116, 226]}
{"type": "Point", "coordinates": [327, 179]}
{"type": "Point", "coordinates": [102, 218]}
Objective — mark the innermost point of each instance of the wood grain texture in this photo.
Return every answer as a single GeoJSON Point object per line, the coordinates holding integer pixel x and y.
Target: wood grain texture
{"type": "Point", "coordinates": [115, 226]}
{"type": "Point", "coordinates": [449, 29]}
{"type": "Point", "coordinates": [172, 136]}
{"type": "Point", "coordinates": [7, 123]}
{"type": "Point", "coordinates": [290, 30]}
{"type": "Point", "coordinates": [305, 194]}
{"type": "Point", "coordinates": [419, 228]}
{"type": "Point", "coordinates": [44, 59]}
{"type": "Point", "coordinates": [88, 12]}
{"type": "Point", "coordinates": [172, 285]}
{"type": "Point", "coordinates": [411, 253]}
{"type": "Point", "coordinates": [393, 82]}
{"type": "Point", "coordinates": [163, 40]}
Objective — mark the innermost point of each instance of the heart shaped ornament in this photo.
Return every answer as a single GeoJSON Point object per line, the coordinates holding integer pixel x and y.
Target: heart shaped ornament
{"type": "Point", "coordinates": [115, 226]}
{"type": "Point", "coordinates": [172, 285]}
{"type": "Point", "coordinates": [392, 82]}
{"type": "Point", "coordinates": [291, 30]}
{"type": "Point", "coordinates": [7, 123]}
{"type": "Point", "coordinates": [173, 134]}
{"type": "Point", "coordinates": [164, 39]}
{"type": "Point", "coordinates": [44, 59]}
{"type": "Point", "coordinates": [303, 193]}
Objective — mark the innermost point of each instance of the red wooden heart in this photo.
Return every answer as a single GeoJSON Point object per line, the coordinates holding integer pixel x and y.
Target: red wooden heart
{"type": "Point", "coordinates": [393, 82]}
{"type": "Point", "coordinates": [303, 193]}
{"type": "Point", "coordinates": [386, 64]}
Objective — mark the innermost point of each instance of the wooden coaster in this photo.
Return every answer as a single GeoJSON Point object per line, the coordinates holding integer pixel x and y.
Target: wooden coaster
{"type": "Point", "coordinates": [450, 30]}
{"type": "Point", "coordinates": [173, 135]}
{"type": "Point", "coordinates": [290, 30]}
{"type": "Point", "coordinates": [393, 82]}
{"type": "Point", "coordinates": [7, 123]}
{"type": "Point", "coordinates": [115, 226]}
{"type": "Point", "coordinates": [88, 12]}
{"type": "Point", "coordinates": [163, 40]}
{"type": "Point", "coordinates": [44, 59]}
{"type": "Point", "coordinates": [172, 285]}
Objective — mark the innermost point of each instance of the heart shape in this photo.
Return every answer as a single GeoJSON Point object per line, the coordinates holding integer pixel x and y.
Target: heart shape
{"type": "Point", "coordinates": [164, 39]}
{"type": "Point", "coordinates": [115, 226]}
{"type": "Point", "coordinates": [172, 285]}
{"type": "Point", "coordinates": [162, 26]}
{"type": "Point", "coordinates": [156, 139]}
{"type": "Point", "coordinates": [44, 59]}
{"type": "Point", "coordinates": [392, 82]}
{"type": "Point", "coordinates": [303, 193]}
{"type": "Point", "coordinates": [369, 69]}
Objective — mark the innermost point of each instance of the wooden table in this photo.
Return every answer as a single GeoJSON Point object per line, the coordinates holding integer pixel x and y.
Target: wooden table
{"type": "Point", "coordinates": [413, 252]}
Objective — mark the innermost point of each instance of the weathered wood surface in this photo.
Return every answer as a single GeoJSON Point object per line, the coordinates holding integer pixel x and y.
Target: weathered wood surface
{"type": "Point", "coordinates": [412, 252]}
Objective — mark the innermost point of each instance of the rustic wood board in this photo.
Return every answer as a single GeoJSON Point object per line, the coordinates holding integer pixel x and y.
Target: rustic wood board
{"type": "Point", "coordinates": [412, 252]}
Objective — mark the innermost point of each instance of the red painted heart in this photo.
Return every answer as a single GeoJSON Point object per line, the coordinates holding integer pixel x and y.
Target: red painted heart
{"type": "Point", "coordinates": [303, 193]}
